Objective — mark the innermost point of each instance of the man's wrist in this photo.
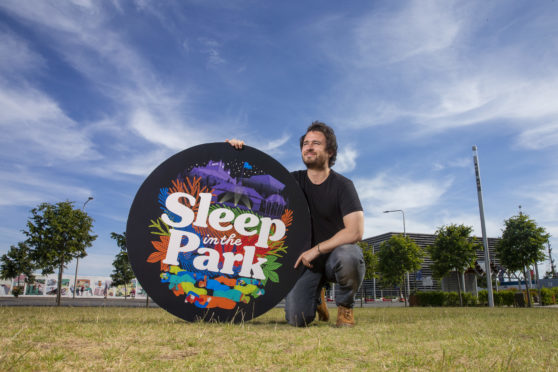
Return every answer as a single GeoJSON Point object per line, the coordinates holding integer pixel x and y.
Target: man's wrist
{"type": "Point", "coordinates": [319, 252]}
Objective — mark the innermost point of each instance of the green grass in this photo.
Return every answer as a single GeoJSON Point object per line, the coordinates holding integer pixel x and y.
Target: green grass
{"type": "Point", "coordinates": [48, 338]}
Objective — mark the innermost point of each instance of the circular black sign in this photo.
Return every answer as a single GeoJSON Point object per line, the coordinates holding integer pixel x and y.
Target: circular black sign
{"type": "Point", "coordinates": [214, 233]}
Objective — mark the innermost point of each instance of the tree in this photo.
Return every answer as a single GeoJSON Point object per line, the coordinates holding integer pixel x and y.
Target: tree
{"type": "Point", "coordinates": [454, 249]}
{"type": "Point", "coordinates": [122, 273]}
{"type": "Point", "coordinates": [57, 234]}
{"type": "Point", "coordinates": [397, 256]}
{"type": "Point", "coordinates": [522, 245]}
{"type": "Point", "coordinates": [370, 262]}
{"type": "Point", "coordinates": [15, 263]}
{"type": "Point", "coordinates": [120, 240]}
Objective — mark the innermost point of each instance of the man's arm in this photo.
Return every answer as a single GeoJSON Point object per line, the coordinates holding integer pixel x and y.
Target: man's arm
{"type": "Point", "coordinates": [351, 233]}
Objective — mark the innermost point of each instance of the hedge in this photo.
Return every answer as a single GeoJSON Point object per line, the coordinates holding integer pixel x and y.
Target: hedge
{"type": "Point", "coordinates": [548, 296]}
{"type": "Point", "coordinates": [507, 297]}
{"type": "Point", "coordinates": [440, 298]}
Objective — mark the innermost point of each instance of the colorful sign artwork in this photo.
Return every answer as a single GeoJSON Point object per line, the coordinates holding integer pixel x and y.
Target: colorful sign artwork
{"type": "Point", "coordinates": [214, 232]}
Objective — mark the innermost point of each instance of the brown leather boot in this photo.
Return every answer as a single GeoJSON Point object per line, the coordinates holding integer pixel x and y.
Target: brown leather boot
{"type": "Point", "coordinates": [323, 312]}
{"type": "Point", "coordinates": [345, 317]}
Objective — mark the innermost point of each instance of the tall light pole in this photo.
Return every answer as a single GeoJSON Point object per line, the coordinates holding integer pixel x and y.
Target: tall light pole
{"type": "Point", "coordinates": [77, 258]}
{"type": "Point", "coordinates": [483, 229]}
{"type": "Point", "coordinates": [404, 235]}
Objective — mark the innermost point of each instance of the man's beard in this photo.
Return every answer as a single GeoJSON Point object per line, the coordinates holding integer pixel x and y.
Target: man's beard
{"type": "Point", "coordinates": [317, 163]}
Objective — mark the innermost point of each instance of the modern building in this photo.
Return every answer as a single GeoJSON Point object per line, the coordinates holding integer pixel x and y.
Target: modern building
{"type": "Point", "coordinates": [423, 280]}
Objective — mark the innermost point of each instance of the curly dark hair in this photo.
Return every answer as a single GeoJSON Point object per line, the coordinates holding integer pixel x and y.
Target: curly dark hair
{"type": "Point", "coordinates": [331, 140]}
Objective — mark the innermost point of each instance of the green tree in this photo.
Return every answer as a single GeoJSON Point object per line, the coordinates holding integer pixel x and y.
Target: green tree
{"type": "Point", "coordinates": [454, 249]}
{"type": "Point", "coordinates": [122, 273]}
{"type": "Point", "coordinates": [522, 245]}
{"type": "Point", "coordinates": [120, 240]}
{"type": "Point", "coordinates": [15, 263]}
{"type": "Point", "coordinates": [57, 234]}
{"type": "Point", "coordinates": [397, 256]}
{"type": "Point", "coordinates": [370, 261]}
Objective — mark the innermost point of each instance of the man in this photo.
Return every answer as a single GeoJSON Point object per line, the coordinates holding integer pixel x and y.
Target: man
{"type": "Point", "coordinates": [337, 224]}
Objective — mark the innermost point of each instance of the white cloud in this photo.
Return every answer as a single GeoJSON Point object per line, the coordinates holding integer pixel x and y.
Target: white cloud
{"type": "Point", "coordinates": [427, 222]}
{"type": "Point", "coordinates": [474, 99]}
{"type": "Point", "coordinates": [455, 163]}
{"type": "Point", "coordinates": [140, 164]}
{"type": "Point", "coordinates": [152, 111]}
{"type": "Point", "coordinates": [275, 147]}
{"type": "Point", "coordinates": [32, 123]}
{"type": "Point", "coordinates": [211, 48]}
{"type": "Point", "coordinates": [545, 199]}
{"type": "Point", "coordinates": [25, 188]}
{"type": "Point", "coordinates": [346, 160]}
{"type": "Point", "coordinates": [447, 72]}
{"type": "Point", "coordinates": [380, 223]}
{"type": "Point", "coordinates": [429, 26]}
{"type": "Point", "coordinates": [538, 137]}
{"type": "Point", "coordinates": [17, 56]}
{"type": "Point", "coordinates": [386, 192]}
{"type": "Point", "coordinates": [172, 135]}
{"type": "Point", "coordinates": [447, 217]}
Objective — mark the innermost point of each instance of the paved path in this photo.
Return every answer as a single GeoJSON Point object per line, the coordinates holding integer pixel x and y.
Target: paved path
{"type": "Point", "coordinates": [75, 302]}
{"type": "Point", "coordinates": [120, 302]}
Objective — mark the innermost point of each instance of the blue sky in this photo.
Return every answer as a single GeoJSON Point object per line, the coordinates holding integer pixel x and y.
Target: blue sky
{"type": "Point", "coordinates": [95, 94]}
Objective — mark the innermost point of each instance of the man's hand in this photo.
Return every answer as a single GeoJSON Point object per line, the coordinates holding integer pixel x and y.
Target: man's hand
{"type": "Point", "coordinates": [237, 144]}
{"type": "Point", "coordinates": [307, 257]}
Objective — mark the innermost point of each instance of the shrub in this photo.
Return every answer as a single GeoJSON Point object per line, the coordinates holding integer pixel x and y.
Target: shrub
{"type": "Point", "coordinates": [547, 297]}
{"type": "Point", "coordinates": [452, 299]}
{"type": "Point", "coordinates": [498, 298]}
{"type": "Point", "coordinates": [508, 297]}
{"type": "Point", "coordinates": [469, 299]}
{"type": "Point", "coordinates": [483, 297]}
{"type": "Point", "coordinates": [432, 298]}
{"type": "Point", "coordinates": [16, 291]}
{"type": "Point", "coordinates": [534, 295]}
{"type": "Point", "coordinates": [504, 297]}
{"type": "Point", "coordinates": [440, 298]}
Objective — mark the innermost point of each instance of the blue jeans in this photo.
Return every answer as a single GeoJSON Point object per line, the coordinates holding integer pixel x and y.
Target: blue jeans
{"type": "Point", "coordinates": [344, 266]}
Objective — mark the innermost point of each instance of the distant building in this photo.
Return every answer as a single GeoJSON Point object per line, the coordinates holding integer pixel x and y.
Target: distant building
{"type": "Point", "coordinates": [423, 280]}
{"type": "Point", "coordinates": [87, 286]}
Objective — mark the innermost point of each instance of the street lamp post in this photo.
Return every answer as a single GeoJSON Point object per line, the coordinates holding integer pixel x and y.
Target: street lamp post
{"type": "Point", "coordinates": [77, 258]}
{"type": "Point", "coordinates": [405, 236]}
{"type": "Point", "coordinates": [487, 268]}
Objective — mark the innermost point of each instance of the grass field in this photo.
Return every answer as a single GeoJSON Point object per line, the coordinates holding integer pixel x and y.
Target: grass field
{"type": "Point", "coordinates": [48, 338]}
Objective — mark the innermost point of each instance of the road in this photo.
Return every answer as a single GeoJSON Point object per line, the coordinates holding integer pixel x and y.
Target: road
{"type": "Point", "coordinates": [120, 302]}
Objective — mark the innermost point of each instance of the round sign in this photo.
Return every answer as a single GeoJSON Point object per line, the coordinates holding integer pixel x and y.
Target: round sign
{"type": "Point", "coordinates": [214, 232]}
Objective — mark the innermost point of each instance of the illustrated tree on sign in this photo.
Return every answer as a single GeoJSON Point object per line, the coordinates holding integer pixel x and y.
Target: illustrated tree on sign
{"type": "Point", "coordinates": [397, 256]}
{"type": "Point", "coordinates": [15, 263]}
{"type": "Point", "coordinates": [522, 245]}
{"type": "Point", "coordinates": [57, 234]}
{"type": "Point", "coordinates": [122, 273]}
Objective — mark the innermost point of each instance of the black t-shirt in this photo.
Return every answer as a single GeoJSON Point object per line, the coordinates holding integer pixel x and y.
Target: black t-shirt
{"type": "Point", "coordinates": [329, 202]}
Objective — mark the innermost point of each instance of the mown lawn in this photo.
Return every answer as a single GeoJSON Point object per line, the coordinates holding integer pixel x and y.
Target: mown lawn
{"type": "Point", "coordinates": [48, 338]}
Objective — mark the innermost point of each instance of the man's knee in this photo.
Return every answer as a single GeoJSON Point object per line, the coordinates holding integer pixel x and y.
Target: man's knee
{"type": "Point", "coordinates": [299, 319]}
{"type": "Point", "coordinates": [347, 261]}
{"type": "Point", "coordinates": [298, 311]}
